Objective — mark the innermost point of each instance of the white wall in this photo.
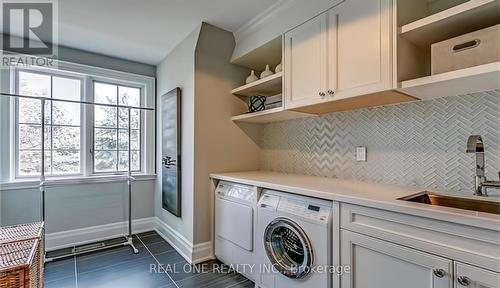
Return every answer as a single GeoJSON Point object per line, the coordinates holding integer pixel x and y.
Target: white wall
{"type": "Point", "coordinates": [211, 142]}
{"type": "Point", "coordinates": [177, 70]}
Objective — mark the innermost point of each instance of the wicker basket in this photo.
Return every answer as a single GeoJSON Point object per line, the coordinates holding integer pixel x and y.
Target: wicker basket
{"type": "Point", "coordinates": [22, 256]}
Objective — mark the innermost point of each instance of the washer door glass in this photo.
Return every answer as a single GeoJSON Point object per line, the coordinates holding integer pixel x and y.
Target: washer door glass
{"type": "Point", "coordinates": [288, 248]}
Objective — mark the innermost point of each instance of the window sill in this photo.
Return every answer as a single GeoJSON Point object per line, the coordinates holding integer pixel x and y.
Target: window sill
{"type": "Point", "coordinates": [32, 183]}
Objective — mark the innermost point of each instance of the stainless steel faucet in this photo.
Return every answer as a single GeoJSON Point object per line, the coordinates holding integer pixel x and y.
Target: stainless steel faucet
{"type": "Point", "coordinates": [475, 145]}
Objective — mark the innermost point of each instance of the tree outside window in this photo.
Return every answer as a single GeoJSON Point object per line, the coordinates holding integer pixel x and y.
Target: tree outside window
{"type": "Point", "coordinates": [62, 124]}
{"type": "Point", "coordinates": [111, 128]}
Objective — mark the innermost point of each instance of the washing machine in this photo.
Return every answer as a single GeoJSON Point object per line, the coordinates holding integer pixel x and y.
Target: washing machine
{"type": "Point", "coordinates": [294, 241]}
{"type": "Point", "coordinates": [235, 222]}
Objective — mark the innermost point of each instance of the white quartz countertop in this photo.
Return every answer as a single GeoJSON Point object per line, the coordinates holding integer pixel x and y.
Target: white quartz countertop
{"type": "Point", "coordinates": [374, 195]}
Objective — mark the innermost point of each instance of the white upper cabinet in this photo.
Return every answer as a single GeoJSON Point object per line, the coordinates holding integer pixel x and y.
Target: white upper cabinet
{"type": "Point", "coordinates": [306, 63]}
{"type": "Point", "coordinates": [473, 277]}
{"type": "Point", "coordinates": [360, 48]}
{"type": "Point", "coordinates": [344, 53]}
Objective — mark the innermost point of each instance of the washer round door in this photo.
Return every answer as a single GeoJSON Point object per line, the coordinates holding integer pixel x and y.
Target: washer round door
{"type": "Point", "coordinates": [288, 248]}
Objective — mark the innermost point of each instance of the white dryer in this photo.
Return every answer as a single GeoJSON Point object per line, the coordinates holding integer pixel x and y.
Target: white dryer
{"type": "Point", "coordinates": [235, 221]}
{"type": "Point", "coordinates": [294, 239]}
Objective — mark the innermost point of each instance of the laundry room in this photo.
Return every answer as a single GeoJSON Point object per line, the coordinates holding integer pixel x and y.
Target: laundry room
{"type": "Point", "coordinates": [237, 144]}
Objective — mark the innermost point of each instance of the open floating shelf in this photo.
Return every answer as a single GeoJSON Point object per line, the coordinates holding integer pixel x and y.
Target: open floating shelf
{"type": "Point", "coordinates": [461, 19]}
{"type": "Point", "coordinates": [271, 115]}
{"type": "Point", "coordinates": [269, 86]}
{"type": "Point", "coordinates": [464, 81]}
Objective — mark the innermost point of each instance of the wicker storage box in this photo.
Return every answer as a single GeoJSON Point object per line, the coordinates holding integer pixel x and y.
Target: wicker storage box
{"type": "Point", "coordinates": [472, 49]}
{"type": "Point", "coordinates": [22, 256]}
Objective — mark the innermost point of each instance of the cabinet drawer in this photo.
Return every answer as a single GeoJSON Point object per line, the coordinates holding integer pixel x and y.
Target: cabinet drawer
{"type": "Point", "coordinates": [466, 243]}
{"type": "Point", "coordinates": [475, 277]}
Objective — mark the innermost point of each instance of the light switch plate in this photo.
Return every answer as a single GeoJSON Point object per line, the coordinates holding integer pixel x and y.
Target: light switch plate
{"type": "Point", "coordinates": [361, 154]}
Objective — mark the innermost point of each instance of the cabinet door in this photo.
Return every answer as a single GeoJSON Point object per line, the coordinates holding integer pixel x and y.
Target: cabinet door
{"type": "Point", "coordinates": [474, 277]}
{"type": "Point", "coordinates": [378, 264]}
{"type": "Point", "coordinates": [360, 48]}
{"type": "Point", "coordinates": [306, 63]}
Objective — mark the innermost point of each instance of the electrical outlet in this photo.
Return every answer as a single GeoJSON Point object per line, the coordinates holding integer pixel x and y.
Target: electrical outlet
{"type": "Point", "coordinates": [361, 154]}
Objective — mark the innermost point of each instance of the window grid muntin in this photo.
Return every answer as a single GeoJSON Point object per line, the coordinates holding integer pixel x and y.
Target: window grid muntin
{"type": "Point", "coordinates": [48, 124]}
{"type": "Point", "coordinates": [117, 129]}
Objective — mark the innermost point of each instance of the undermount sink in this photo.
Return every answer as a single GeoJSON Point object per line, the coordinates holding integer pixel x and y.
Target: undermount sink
{"type": "Point", "coordinates": [432, 198]}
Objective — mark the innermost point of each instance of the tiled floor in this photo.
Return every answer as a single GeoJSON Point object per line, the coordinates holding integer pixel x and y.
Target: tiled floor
{"type": "Point", "coordinates": [119, 267]}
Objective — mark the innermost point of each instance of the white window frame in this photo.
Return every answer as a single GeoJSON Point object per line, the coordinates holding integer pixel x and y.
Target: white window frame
{"type": "Point", "coordinates": [89, 75]}
{"type": "Point", "coordinates": [15, 120]}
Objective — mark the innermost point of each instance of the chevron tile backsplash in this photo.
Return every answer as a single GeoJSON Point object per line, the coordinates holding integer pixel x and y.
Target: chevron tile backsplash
{"type": "Point", "coordinates": [419, 144]}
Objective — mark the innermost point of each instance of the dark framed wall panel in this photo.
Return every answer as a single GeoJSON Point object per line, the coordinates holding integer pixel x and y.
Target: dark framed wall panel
{"type": "Point", "coordinates": [171, 151]}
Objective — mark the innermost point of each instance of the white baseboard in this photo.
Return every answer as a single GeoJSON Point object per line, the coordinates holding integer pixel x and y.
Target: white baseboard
{"type": "Point", "coordinates": [203, 252]}
{"type": "Point", "coordinates": [70, 238]}
{"type": "Point", "coordinates": [193, 254]}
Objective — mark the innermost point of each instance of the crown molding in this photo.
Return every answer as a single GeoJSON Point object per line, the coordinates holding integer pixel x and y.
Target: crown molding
{"type": "Point", "coordinates": [260, 21]}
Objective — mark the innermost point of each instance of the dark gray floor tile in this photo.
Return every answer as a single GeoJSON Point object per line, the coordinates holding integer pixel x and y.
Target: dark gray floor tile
{"type": "Point", "coordinates": [169, 258]}
{"type": "Point", "coordinates": [59, 269]}
{"type": "Point", "coordinates": [106, 258]}
{"type": "Point", "coordinates": [212, 280]}
{"type": "Point", "coordinates": [159, 247]}
{"type": "Point", "coordinates": [146, 234]}
{"type": "Point", "coordinates": [151, 239]}
{"type": "Point", "coordinates": [68, 282]}
{"type": "Point", "coordinates": [245, 284]}
{"type": "Point", "coordinates": [132, 274]}
{"type": "Point", "coordinates": [184, 270]}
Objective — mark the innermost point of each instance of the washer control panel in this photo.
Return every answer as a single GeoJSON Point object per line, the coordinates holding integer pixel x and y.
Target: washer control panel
{"type": "Point", "coordinates": [298, 207]}
{"type": "Point", "coordinates": [303, 209]}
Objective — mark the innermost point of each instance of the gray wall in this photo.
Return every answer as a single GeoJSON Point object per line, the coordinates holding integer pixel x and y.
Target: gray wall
{"type": "Point", "coordinates": [220, 145]}
{"type": "Point", "coordinates": [419, 144]}
{"type": "Point", "coordinates": [113, 63]}
{"type": "Point", "coordinates": [77, 206]}
{"type": "Point", "coordinates": [93, 59]}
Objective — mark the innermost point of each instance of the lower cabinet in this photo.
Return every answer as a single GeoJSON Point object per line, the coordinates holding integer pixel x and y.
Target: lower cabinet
{"type": "Point", "coordinates": [474, 277]}
{"type": "Point", "coordinates": [380, 264]}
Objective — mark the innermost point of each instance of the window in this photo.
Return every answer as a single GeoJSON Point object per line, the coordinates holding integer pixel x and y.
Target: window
{"type": "Point", "coordinates": [62, 124]}
{"type": "Point", "coordinates": [111, 128]}
{"type": "Point", "coordinates": [81, 140]}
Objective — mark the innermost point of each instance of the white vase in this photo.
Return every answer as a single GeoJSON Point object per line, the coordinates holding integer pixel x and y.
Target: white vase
{"type": "Point", "coordinates": [266, 73]}
{"type": "Point", "coordinates": [279, 68]}
{"type": "Point", "coordinates": [251, 78]}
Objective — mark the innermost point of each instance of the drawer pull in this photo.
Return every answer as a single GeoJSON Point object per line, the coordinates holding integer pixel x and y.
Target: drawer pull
{"type": "Point", "coordinates": [466, 46]}
{"type": "Point", "coordinates": [464, 280]}
{"type": "Point", "coordinates": [440, 273]}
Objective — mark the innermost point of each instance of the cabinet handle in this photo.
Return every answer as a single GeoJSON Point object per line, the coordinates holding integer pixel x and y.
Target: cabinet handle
{"type": "Point", "coordinates": [439, 273]}
{"type": "Point", "coordinates": [331, 92]}
{"type": "Point", "coordinates": [322, 94]}
{"type": "Point", "coordinates": [464, 280]}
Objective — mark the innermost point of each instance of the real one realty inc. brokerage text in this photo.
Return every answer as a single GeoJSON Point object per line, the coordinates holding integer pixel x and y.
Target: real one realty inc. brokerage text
{"type": "Point", "coordinates": [242, 268]}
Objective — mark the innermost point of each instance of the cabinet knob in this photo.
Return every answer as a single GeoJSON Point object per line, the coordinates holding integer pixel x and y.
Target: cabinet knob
{"type": "Point", "coordinates": [331, 92]}
{"type": "Point", "coordinates": [440, 273]}
{"type": "Point", "coordinates": [464, 280]}
{"type": "Point", "coordinates": [322, 94]}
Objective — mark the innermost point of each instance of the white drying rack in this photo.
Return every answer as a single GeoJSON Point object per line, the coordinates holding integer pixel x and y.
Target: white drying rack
{"type": "Point", "coordinates": [44, 183]}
